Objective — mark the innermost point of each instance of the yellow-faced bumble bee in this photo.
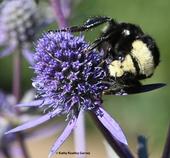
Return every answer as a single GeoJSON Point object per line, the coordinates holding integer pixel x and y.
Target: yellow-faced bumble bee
{"type": "Point", "coordinates": [131, 54]}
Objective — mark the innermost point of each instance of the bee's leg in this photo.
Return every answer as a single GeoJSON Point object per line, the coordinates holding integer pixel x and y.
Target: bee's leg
{"type": "Point", "coordinates": [100, 40]}
{"type": "Point", "coordinates": [115, 88]}
{"type": "Point", "coordinates": [96, 43]}
{"type": "Point", "coordinates": [90, 23]}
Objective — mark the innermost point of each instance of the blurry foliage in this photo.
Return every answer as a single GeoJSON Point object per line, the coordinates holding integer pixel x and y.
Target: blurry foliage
{"type": "Point", "coordinates": [148, 113]}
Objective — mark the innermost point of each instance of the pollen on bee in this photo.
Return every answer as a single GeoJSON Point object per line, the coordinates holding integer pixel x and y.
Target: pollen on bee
{"type": "Point", "coordinates": [118, 68]}
{"type": "Point", "coordinates": [144, 57]}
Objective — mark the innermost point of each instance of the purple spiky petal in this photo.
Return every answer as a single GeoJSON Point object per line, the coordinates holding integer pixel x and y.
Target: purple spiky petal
{"type": "Point", "coordinates": [67, 131]}
{"type": "Point", "coordinates": [111, 125]}
{"type": "Point", "coordinates": [35, 122]}
{"type": "Point", "coordinates": [35, 103]}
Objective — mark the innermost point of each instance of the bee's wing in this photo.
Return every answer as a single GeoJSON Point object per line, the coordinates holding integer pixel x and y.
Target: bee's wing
{"type": "Point", "coordinates": [144, 88]}
{"type": "Point", "coordinates": [137, 89]}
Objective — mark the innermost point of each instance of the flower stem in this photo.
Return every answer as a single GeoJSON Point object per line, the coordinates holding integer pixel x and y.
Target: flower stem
{"type": "Point", "coordinates": [17, 94]}
{"type": "Point", "coordinates": [61, 20]}
{"type": "Point", "coordinates": [166, 152]}
{"type": "Point", "coordinates": [79, 136]}
{"type": "Point", "coordinates": [17, 76]}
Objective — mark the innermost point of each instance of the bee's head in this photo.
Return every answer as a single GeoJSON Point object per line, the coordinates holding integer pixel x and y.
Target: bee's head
{"type": "Point", "coordinates": [127, 35]}
{"type": "Point", "coordinates": [131, 30]}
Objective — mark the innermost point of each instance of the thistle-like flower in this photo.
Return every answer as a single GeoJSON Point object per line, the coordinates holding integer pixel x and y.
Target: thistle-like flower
{"type": "Point", "coordinates": [69, 81]}
{"type": "Point", "coordinates": [19, 22]}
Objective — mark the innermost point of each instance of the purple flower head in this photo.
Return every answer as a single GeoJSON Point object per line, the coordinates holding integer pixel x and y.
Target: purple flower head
{"type": "Point", "coordinates": [19, 22]}
{"type": "Point", "coordinates": [65, 75]}
{"type": "Point", "coordinates": [69, 81]}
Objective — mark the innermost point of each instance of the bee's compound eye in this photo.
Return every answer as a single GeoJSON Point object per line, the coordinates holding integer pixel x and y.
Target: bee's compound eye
{"type": "Point", "coordinates": [126, 32]}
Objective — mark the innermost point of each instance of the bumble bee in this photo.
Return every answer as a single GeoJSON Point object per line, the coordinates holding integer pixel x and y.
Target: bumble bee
{"type": "Point", "coordinates": [131, 54]}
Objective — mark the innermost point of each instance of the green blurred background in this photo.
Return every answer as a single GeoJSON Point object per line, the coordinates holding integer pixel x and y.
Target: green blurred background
{"type": "Point", "coordinates": [147, 114]}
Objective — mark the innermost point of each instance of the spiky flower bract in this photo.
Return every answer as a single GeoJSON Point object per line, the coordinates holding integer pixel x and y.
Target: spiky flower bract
{"type": "Point", "coordinates": [68, 81]}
